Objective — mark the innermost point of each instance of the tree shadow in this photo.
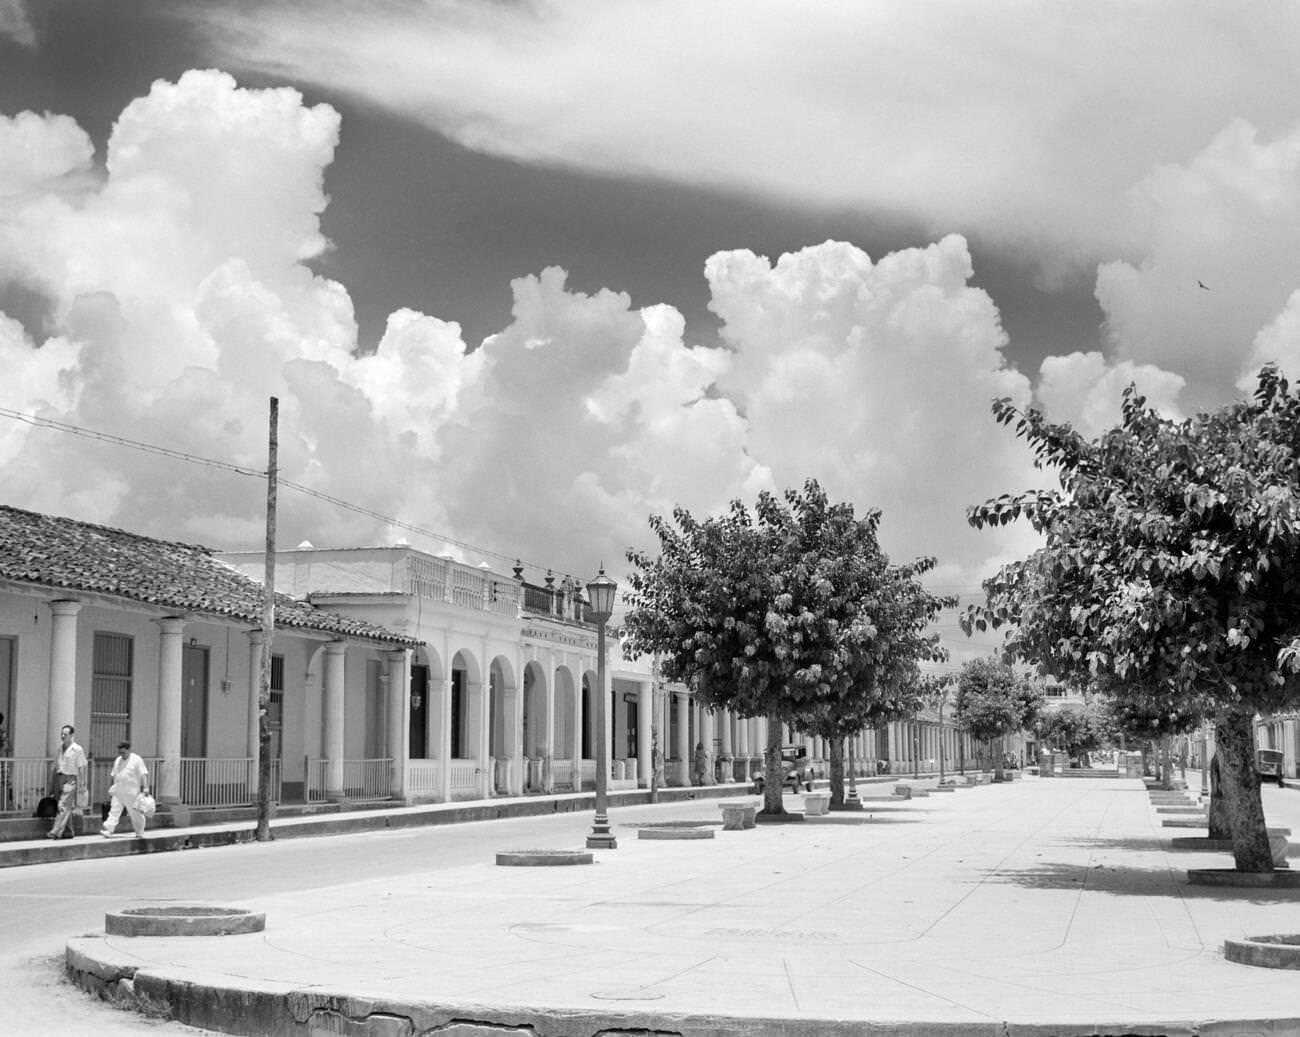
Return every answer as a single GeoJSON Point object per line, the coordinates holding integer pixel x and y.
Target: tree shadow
{"type": "Point", "coordinates": [1131, 881]}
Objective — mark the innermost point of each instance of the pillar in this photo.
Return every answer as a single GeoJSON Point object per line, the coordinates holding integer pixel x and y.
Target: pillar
{"type": "Point", "coordinates": [644, 714]}
{"type": "Point", "coordinates": [335, 669]}
{"type": "Point", "coordinates": [399, 717]}
{"type": "Point", "coordinates": [683, 746]}
{"type": "Point", "coordinates": [167, 783]}
{"type": "Point", "coordinates": [254, 743]}
{"type": "Point", "coordinates": [63, 671]}
{"type": "Point", "coordinates": [444, 735]}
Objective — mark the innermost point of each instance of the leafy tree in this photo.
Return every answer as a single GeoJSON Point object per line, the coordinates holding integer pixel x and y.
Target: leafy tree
{"type": "Point", "coordinates": [1171, 568]}
{"type": "Point", "coordinates": [791, 612]}
{"type": "Point", "coordinates": [1076, 731]}
{"type": "Point", "coordinates": [993, 701]}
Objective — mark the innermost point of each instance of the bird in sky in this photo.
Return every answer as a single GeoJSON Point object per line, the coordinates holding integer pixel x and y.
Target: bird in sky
{"type": "Point", "coordinates": [1202, 284]}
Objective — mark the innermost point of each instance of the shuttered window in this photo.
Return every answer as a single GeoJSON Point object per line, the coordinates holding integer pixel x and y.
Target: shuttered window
{"type": "Point", "coordinates": [110, 694]}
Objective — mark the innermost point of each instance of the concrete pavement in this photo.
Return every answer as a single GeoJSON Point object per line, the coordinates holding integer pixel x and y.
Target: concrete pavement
{"type": "Point", "coordinates": [1040, 906]}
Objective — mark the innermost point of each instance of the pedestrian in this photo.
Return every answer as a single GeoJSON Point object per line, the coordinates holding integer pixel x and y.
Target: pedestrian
{"type": "Point", "coordinates": [130, 782]}
{"type": "Point", "coordinates": [70, 774]}
{"type": "Point", "coordinates": [701, 763]}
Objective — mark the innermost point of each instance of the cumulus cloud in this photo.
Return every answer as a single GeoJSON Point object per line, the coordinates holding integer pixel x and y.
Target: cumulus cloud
{"type": "Point", "coordinates": [182, 300]}
{"type": "Point", "coordinates": [1087, 391]}
{"type": "Point", "coordinates": [1220, 251]}
{"type": "Point", "coordinates": [1016, 124]}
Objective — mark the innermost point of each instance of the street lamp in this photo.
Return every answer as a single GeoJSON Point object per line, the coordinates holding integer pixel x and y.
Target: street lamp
{"type": "Point", "coordinates": [600, 596]}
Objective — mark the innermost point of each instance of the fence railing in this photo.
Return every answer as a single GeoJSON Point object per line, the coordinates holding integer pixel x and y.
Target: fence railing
{"type": "Point", "coordinates": [464, 777]}
{"type": "Point", "coordinates": [24, 780]}
{"type": "Point", "coordinates": [424, 778]}
{"type": "Point", "coordinates": [562, 776]}
{"type": "Point", "coordinates": [362, 779]}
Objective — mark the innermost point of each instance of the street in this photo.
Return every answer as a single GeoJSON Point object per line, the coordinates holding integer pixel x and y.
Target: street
{"type": "Point", "coordinates": [45, 905]}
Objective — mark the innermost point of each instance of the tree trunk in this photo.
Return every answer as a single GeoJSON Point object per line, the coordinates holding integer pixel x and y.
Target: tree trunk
{"type": "Point", "coordinates": [1220, 825]}
{"type": "Point", "coordinates": [773, 772]}
{"type": "Point", "coordinates": [997, 760]}
{"type": "Point", "coordinates": [1166, 762]}
{"type": "Point", "coordinates": [1235, 736]}
{"type": "Point", "coordinates": [837, 770]}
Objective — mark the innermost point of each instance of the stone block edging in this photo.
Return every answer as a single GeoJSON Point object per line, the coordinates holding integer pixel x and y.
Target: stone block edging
{"type": "Point", "coordinates": [651, 832]}
{"type": "Point", "coordinates": [543, 858]}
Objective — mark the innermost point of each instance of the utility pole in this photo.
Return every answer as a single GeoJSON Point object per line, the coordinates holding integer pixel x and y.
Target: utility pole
{"type": "Point", "coordinates": [263, 833]}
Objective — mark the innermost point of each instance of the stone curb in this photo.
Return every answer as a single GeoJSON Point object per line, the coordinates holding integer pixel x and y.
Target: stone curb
{"type": "Point", "coordinates": [287, 1011]}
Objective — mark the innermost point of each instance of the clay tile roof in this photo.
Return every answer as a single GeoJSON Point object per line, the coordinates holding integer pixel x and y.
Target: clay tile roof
{"type": "Point", "coordinates": [78, 556]}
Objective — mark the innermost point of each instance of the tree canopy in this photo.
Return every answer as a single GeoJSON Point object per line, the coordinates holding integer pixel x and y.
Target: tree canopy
{"type": "Point", "coordinates": [790, 611]}
{"type": "Point", "coordinates": [993, 700]}
{"type": "Point", "coordinates": [1170, 566]}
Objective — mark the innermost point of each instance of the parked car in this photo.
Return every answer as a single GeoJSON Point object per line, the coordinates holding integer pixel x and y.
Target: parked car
{"type": "Point", "coordinates": [1268, 765]}
{"type": "Point", "coordinates": [798, 772]}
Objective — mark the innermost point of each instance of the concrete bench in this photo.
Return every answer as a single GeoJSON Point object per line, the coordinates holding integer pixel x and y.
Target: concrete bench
{"type": "Point", "coordinates": [816, 803]}
{"type": "Point", "coordinates": [903, 791]}
{"type": "Point", "coordinates": [738, 816]}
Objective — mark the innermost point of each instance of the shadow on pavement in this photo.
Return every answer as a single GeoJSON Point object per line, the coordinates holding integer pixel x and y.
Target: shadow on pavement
{"type": "Point", "coordinates": [1129, 880]}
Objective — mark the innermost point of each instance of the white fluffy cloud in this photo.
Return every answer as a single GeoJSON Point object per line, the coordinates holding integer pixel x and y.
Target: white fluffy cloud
{"type": "Point", "coordinates": [1087, 391]}
{"type": "Point", "coordinates": [1220, 257]}
{"type": "Point", "coordinates": [1021, 124]}
{"type": "Point", "coordinates": [182, 301]}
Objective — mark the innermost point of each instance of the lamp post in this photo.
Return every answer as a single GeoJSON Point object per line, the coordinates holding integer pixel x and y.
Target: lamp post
{"type": "Point", "coordinates": [600, 595]}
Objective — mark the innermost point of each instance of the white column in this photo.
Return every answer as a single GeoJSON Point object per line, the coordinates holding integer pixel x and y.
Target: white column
{"type": "Point", "coordinates": [444, 736]}
{"type": "Point", "coordinates": [684, 732]}
{"type": "Point", "coordinates": [167, 783]}
{"type": "Point", "coordinates": [724, 750]}
{"type": "Point", "coordinates": [335, 672]}
{"type": "Point", "coordinates": [63, 671]}
{"type": "Point", "coordinates": [254, 713]}
{"type": "Point", "coordinates": [399, 716]}
{"type": "Point", "coordinates": [486, 765]}
{"type": "Point", "coordinates": [707, 728]}
{"type": "Point", "coordinates": [645, 694]}
{"type": "Point", "coordinates": [548, 737]}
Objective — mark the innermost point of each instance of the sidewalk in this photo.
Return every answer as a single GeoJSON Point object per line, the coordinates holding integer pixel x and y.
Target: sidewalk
{"type": "Point", "coordinates": [1042, 906]}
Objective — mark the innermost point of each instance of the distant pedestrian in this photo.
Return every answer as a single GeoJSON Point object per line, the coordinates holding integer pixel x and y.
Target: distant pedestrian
{"type": "Point", "coordinates": [701, 767]}
{"type": "Point", "coordinates": [130, 782]}
{"type": "Point", "coordinates": [70, 774]}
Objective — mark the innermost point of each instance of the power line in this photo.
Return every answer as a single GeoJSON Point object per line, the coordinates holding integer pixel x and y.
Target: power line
{"type": "Point", "coordinates": [113, 439]}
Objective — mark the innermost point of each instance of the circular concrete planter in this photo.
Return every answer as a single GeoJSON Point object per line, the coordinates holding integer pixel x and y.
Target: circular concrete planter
{"type": "Point", "coordinates": [183, 920]}
{"type": "Point", "coordinates": [1230, 877]}
{"type": "Point", "coordinates": [675, 833]}
{"type": "Point", "coordinates": [543, 858]}
{"type": "Point", "coordinates": [1267, 952]}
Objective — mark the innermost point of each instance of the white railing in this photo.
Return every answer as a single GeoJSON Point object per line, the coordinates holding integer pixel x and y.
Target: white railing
{"type": "Point", "coordinates": [368, 779]}
{"type": "Point", "coordinates": [424, 779]}
{"type": "Point", "coordinates": [314, 780]}
{"type": "Point", "coordinates": [216, 782]}
{"type": "Point", "coordinates": [440, 579]}
{"type": "Point", "coordinates": [562, 776]}
{"type": "Point", "coordinates": [24, 781]}
{"type": "Point", "coordinates": [464, 778]}
{"type": "Point", "coordinates": [362, 779]}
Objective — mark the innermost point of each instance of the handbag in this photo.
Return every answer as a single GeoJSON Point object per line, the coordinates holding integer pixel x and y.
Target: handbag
{"type": "Point", "coordinates": [145, 804]}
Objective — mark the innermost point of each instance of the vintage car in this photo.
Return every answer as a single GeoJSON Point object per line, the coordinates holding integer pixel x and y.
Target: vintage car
{"type": "Point", "coordinates": [1268, 765]}
{"type": "Point", "coordinates": [798, 772]}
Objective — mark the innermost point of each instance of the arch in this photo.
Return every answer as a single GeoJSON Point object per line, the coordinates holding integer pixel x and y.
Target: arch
{"type": "Point", "coordinates": [504, 718]}
{"type": "Point", "coordinates": [466, 699]}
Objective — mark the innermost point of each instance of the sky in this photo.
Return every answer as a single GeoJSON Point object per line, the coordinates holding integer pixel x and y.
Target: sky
{"type": "Point", "coordinates": [522, 274]}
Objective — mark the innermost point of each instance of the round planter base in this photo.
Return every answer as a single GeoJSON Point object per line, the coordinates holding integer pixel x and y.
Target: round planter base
{"type": "Point", "coordinates": [183, 920]}
{"type": "Point", "coordinates": [1266, 952]}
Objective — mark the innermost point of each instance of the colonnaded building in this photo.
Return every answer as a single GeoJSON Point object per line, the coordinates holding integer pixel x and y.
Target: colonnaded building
{"type": "Point", "coordinates": [396, 675]}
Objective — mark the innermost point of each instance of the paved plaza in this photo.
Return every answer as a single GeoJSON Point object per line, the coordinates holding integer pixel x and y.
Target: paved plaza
{"type": "Point", "coordinates": [1045, 906]}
